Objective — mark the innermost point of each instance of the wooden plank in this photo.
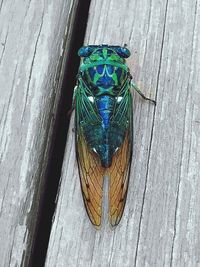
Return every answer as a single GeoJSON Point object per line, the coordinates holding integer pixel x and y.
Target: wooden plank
{"type": "Point", "coordinates": [31, 60]}
{"type": "Point", "coordinates": [160, 226]}
{"type": "Point", "coordinates": [169, 231]}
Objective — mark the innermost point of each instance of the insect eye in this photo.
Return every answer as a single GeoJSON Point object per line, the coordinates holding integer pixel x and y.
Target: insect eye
{"type": "Point", "coordinates": [85, 51]}
{"type": "Point", "coordinates": [123, 52]}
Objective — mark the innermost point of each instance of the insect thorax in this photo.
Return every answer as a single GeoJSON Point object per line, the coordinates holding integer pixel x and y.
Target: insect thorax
{"type": "Point", "coordinates": [104, 72]}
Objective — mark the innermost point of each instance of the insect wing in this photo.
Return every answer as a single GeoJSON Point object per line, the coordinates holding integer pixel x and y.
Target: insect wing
{"type": "Point", "coordinates": [90, 169]}
{"type": "Point", "coordinates": [120, 168]}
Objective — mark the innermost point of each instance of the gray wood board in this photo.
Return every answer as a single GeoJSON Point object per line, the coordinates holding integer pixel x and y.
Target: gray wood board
{"type": "Point", "coordinates": [161, 222]}
{"type": "Point", "coordinates": [31, 57]}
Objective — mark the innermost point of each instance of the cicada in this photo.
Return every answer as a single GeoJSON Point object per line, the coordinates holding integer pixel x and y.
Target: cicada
{"type": "Point", "coordinates": [104, 128]}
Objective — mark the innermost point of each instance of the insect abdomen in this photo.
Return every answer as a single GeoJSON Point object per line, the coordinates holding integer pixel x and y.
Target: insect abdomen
{"type": "Point", "coordinates": [105, 105]}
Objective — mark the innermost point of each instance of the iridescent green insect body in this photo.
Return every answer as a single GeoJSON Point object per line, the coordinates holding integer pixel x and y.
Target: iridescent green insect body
{"type": "Point", "coordinates": [103, 104]}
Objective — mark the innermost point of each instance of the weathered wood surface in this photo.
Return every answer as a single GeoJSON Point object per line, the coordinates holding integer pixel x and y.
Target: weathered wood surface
{"type": "Point", "coordinates": [32, 37]}
{"type": "Point", "coordinates": [161, 222]}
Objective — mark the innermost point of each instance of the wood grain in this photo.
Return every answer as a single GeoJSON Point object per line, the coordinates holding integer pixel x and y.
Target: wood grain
{"type": "Point", "coordinates": [31, 59]}
{"type": "Point", "coordinates": [161, 222]}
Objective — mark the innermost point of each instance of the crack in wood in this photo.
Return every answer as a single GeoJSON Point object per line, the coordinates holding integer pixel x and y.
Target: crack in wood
{"type": "Point", "coordinates": [66, 71]}
{"type": "Point", "coordinates": [4, 45]}
{"type": "Point", "coordinates": [1, 6]}
{"type": "Point", "coordinates": [4, 135]}
{"type": "Point", "coordinates": [21, 185]}
{"type": "Point", "coordinates": [32, 64]}
{"type": "Point", "coordinates": [27, 9]}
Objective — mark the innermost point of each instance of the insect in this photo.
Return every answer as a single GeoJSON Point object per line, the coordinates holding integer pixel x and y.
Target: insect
{"type": "Point", "coordinates": [104, 128]}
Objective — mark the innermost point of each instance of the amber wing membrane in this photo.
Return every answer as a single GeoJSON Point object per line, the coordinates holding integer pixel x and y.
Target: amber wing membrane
{"type": "Point", "coordinates": [119, 178]}
{"type": "Point", "coordinates": [91, 176]}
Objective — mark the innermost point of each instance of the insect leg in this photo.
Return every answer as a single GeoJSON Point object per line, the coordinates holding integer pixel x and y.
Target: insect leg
{"type": "Point", "coordinates": [137, 89]}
